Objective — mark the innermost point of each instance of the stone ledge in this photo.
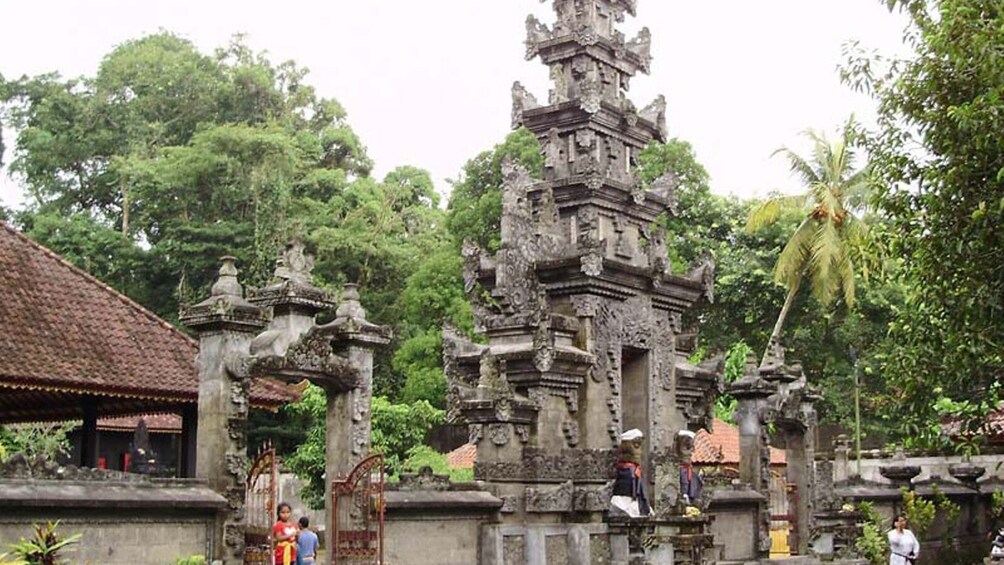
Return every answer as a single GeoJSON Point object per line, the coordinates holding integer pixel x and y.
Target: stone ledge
{"type": "Point", "coordinates": [444, 501]}
{"type": "Point", "coordinates": [66, 494]}
{"type": "Point", "coordinates": [722, 497]}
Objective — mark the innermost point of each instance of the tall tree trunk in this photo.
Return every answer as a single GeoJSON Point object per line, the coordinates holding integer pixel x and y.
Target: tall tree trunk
{"type": "Point", "coordinates": [775, 336]}
{"type": "Point", "coordinates": [125, 207]}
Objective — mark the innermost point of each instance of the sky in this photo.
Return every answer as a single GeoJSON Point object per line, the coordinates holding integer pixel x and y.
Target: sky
{"type": "Point", "coordinates": [427, 83]}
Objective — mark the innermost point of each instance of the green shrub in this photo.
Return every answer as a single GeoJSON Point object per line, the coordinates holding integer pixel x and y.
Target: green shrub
{"type": "Point", "coordinates": [425, 456]}
{"type": "Point", "coordinates": [44, 548]}
{"type": "Point", "coordinates": [919, 512]}
{"type": "Point", "coordinates": [193, 560]}
{"type": "Point", "coordinates": [872, 544]}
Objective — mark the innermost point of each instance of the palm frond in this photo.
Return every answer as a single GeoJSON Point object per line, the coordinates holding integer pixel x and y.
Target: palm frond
{"type": "Point", "coordinates": [768, 211]}
{"type": "Point", "coordinates": [795, 255]}
{"type": "Point", "coordinates": [799, 165]}
{"type": "Point", "coordinates": [827, 249]}
{"type": "Point", "coordinates": [845, 271]}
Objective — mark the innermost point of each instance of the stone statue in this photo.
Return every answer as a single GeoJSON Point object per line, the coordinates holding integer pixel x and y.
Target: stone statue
{"type": "Point", "coordinates": [142, 457]}
{"type": "Point", "coordinates": [691, 482]}
{"type": "Point", "coordinates": [630, 493]}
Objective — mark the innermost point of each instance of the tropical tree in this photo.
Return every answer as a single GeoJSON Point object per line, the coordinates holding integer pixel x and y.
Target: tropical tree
{"type": "Point", "coordinates": [829, 238]}
{"type": "Point", "coordinates": [938, 152]}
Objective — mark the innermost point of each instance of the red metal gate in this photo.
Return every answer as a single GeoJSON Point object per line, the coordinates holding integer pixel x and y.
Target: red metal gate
{"type": "Point", "coordinates": [357, 510]}
{"type": "Point", "coordinates": [260, 499]}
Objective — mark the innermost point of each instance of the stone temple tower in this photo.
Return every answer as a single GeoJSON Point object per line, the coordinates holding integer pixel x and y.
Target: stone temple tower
{"type": "Point", "coordinates": [580, 307]}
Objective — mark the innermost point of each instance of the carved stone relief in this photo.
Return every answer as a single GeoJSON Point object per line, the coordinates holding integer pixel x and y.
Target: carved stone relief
{"type": "Point", "coordinates": [554, 499]}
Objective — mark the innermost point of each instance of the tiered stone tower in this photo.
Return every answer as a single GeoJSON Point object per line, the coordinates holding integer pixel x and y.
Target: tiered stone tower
{"type": "Point", "coordinates": [580, 306]}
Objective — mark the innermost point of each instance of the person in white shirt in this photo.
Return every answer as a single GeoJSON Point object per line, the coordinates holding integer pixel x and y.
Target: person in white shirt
{"type": "Point", "coordinates": [903, 545]}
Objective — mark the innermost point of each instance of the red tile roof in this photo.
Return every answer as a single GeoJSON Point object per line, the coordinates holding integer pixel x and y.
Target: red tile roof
{"type": "Point", "coordinates": [723, 441]}
{"type": "Point", "coordinates": [64, 331]}
{"type": "Point", "coordinates": [707, 446]}
{"type": "Point", "coordinates": [462, 457]}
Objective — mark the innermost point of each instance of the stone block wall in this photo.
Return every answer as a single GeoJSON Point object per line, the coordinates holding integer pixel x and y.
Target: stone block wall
{"type": "Point", "coordinates": [111, 540]}
{"type": "Point", "coordinates": [436, 527]}
{"type": "Point", "coordinates": [431, 542]}
{"type": "Point", "coordinates": [123, 519]}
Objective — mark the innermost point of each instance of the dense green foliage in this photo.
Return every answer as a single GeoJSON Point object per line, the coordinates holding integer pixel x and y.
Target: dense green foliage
{"type": "Point", "coordinates": [35, 440]}
{"type": "Point", "coordinates": [190, 157]}
{"type": "Point", "coordinates": [397, 430]}
{"type": "Point", "coordinates": [939, 153]}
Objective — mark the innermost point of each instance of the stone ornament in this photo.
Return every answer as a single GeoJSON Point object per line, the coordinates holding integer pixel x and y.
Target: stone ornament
{"type": "Point", "coordinates": [536, 33]}
{"type": "Point", "coordinates": [522, 100]}
{"type": "Point", "coordinates": [555, 499]}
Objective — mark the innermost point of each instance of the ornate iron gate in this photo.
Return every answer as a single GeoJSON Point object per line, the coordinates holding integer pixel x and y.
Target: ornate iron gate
{"type": "Point", "coordinates": [260, 499]}
{"type": "Point", "coordinates": [357, 510]}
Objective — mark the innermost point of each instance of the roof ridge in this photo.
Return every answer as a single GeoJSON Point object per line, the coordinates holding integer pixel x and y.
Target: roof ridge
{"type": "Point", "coordinates": [101, 284]}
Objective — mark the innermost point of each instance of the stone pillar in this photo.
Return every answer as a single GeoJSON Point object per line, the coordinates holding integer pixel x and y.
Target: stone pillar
{"type": "Point", "coordinates": [841, 458]}
{"type": "Point", "coordinates": [89, 432]}
{"type": "Point", "coordinates": [226, 324]}
{"type": "Point", "coordinates": [800, 456]}
{"type": "Point", "coordinates": [752, 392]}
{"type": "Point", "coordinates": [189, 440]}
{"type": "Point", "coordinates": [348, 416]}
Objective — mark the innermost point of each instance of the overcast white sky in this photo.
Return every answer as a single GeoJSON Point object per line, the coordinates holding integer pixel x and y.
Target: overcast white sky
{"type": "Point", "coordinates": [427, 83]}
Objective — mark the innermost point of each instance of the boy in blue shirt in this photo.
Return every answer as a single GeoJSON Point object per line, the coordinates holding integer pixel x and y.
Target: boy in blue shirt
{"type": "Point", "coordinates": [306, 544]}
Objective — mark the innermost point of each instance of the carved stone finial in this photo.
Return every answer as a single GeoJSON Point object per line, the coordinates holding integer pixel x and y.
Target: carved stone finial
{"type": "Point", "coordinates": [641, 46]}
{"type": "Point", "coordinates": [522, 100]}
{"type": "Point", "coordinates": [704, 272]}
{"type": "Point", "coordinates": [665, 187]}
{"type": "Point", "coordinates": [227, 284]}
{"type": "Point", "coordinates": [536, 33]}
{"type": "Point", "coordinates": [655, 113]}
{"type": "Point", "coordinates": [350, 306]}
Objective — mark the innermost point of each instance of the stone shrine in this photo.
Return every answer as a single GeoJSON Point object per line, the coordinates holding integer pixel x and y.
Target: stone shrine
{"type": "Point", "coordinates": [582, 310]}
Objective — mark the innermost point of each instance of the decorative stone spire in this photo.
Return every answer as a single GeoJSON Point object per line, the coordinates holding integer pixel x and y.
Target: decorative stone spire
{"type": "Point", "coordinates": [225, 308]}
{"type": "Point", "coordinates": [350, 306]}
{"type": "Point", "coordinates": [227, 284]}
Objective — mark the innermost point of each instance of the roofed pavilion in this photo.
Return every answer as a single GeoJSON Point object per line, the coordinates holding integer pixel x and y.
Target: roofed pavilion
{"type": "Point", "coordinates": [73, 348]}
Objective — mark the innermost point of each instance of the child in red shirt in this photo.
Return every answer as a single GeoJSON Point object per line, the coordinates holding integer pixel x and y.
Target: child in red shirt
{"type": "Point", "coordinates": [284, 534]}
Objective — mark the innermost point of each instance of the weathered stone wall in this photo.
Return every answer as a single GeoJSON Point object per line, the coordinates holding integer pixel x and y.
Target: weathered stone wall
{"type": "Point", "coordinates": [112, 539]}
{"type": "Point", "coordinates": [431, 542]}
{"type": "Point", "coordinates": [431, 525]}
{"type": "Point", "coordinates": [124, 519]}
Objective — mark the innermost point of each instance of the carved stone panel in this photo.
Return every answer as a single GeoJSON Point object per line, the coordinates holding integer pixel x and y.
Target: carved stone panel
{"type": "Point", "coordinates": [550, 499]}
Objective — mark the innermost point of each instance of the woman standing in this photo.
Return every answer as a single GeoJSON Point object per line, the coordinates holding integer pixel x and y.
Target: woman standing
{"type": "Point", "coordinates": [904, 545]}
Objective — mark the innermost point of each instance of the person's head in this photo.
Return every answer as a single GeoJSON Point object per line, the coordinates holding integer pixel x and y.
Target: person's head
{"type": "Point", "coordinates": [284, 511]}
{"type": "Point", "coordinates": [900, 522]}
{"type": "Point", "coordinates": [304, 522]}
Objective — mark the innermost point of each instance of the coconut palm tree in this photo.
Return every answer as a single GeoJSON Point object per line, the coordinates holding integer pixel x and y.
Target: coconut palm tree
{"type": "Point", "coordinates": [823, 247]}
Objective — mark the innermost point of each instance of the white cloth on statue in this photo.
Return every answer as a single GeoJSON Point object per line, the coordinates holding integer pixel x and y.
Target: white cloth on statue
{"type": "Point", "coordinates": [627, 504]}
{"type": "Point", "coordinates": [902, 544]}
